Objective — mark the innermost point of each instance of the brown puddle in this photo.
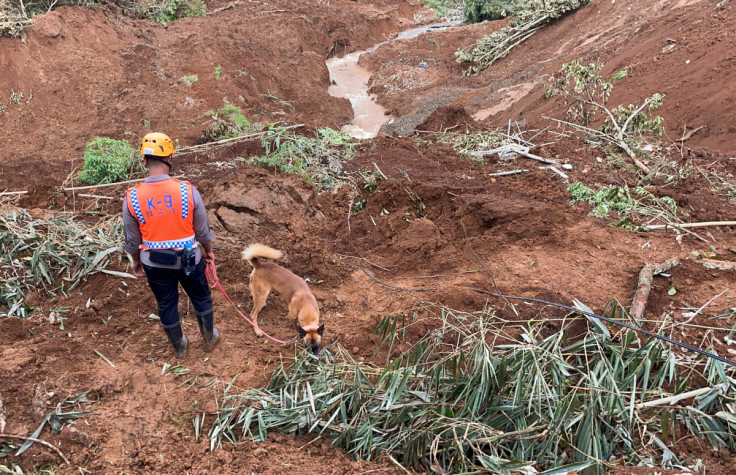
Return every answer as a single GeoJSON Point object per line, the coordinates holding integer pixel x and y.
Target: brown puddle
{"type": "Point", "coordinates": [351, 82]}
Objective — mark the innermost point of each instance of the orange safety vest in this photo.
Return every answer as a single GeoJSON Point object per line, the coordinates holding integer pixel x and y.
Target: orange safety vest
{"type": "Point", "coordinates": [163, 210]}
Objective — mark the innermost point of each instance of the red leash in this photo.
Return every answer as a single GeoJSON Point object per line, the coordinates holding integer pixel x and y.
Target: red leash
{"type": "Point", "coordinates": [213, 281]}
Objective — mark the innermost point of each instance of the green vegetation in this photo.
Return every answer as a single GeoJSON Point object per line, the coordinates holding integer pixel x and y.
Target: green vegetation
{"type": "Point", "coordinates": [531, 16]}
{"type": "Point", "coordinates": [227, 122]}
{"type": "Point", "coordinates": [468, 397]}
{"type": "Point", "coordinates": [318, 159]}
{"type": "Point", "coordinates": [192, 78]}
{"type": "Point", "coordinates": [606, 199]}
{"type": "Point", "coordinates": [476, 11]}
{"type": "Point", "coordinates": [584, 85]}
{"type": "Point", "coordinates": [469, 144]}
{"type": "Point", "coordinates": [623, 127]}
{"type": "Point", "coordinates": [15, 15]}
{"type": "Point", "coordinates": [218, 72]}
{"type": "Point", "coordinates": [108, 160]}
{"type": "Point", "coordinates": [51, 256]}
{"type": "Point", "coordinates": [445, 8]}
{"type": "Point", "coordinates": [15, 469]}
{"type": "Point", "coordinates": [175, 9]}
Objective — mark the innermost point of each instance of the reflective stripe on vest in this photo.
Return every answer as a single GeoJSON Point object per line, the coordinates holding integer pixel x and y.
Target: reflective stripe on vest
{"type": "Point", "coordinates": [177, 244]}
{"type": "Point", "coordinates": [165, 220]}
{"type": "Point", "coordinates": [184, 200]}
{"type": "Point", "coordinates": [136, 206]}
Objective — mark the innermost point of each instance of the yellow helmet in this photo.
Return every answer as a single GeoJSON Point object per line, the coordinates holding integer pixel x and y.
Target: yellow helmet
{"type": "Point", "coordinates": [157, 144]}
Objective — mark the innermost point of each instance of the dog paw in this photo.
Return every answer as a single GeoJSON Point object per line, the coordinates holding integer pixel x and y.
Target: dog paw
{"type": "Point", "coordinates": [258, 331]}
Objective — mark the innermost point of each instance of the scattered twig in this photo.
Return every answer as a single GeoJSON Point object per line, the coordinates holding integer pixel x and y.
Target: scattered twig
{"type": "Point", "coordinates": [379, 171]}
{"type": "Point", "coordinates": [689, 134]}
{"type": "Point", "coordinates": [701, 308]}
{"type": "Point", "coordinates": [646, 278]}
{"type": "Point", "coordinates": [104, 358]}
{"type": "Point", "coordinates": [6, 193]}
{"type": "Point", "coordinates": [366, 260]}
{"type": "Point", "coordinates": [510, 172]}
{"type": "Point", "coordinates": [551, 168]}
{"type": "Point", "coordinates": [42, 442]}
{"type": "Point", "coordinates": [614, 140]}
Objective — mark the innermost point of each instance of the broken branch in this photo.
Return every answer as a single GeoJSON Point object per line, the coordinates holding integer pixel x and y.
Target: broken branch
{"type": "Point", "coordinates": [689, 134]}
{"type": "Point", "coordinates": [646, 277]}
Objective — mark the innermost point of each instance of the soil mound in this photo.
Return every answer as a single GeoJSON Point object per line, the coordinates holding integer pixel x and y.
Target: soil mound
{"type": "Point", "coordinates": [444, 119]}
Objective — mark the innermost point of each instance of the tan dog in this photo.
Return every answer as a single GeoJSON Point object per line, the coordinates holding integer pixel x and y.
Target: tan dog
{"type": "Point", "coordinates": [303, 310]}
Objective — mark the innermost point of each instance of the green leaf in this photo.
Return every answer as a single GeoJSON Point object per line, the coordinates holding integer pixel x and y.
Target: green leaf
{"type": "Point", "coordinates": [620, 75]}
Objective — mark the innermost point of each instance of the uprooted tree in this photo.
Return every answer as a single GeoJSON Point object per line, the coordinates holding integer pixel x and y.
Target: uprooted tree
{"type": "Point", "coordinates": [588, 94]}
{"type": "Point", "coordinates": [531, 16]}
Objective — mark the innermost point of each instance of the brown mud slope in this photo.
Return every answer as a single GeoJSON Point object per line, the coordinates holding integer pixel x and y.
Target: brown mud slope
{"type": "Point", "coordinates": [84, 72]}
{"type": "Point", "coordinates": [437, 222]}
{"type": "Point", "coordinates": [683, 49]}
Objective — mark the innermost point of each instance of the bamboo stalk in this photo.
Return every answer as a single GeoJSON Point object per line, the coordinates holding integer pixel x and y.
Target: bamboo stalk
{"type": "Point", "coordinates": [673, 399]}
{"type": "Point", "coordinates": [99, 197]}
{"type": "Point", "coordinates": [703, 224]}
{"type": "Point", "coordinates": [89, 187]}
{"type": "Point", "coordinates": [548, 161]}
{"type": "Point", "coordinates": [510, 172]}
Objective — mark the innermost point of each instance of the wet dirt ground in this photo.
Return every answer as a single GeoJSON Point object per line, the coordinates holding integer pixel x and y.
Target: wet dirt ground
{"type": "Point", "coordinates": [437, 221]}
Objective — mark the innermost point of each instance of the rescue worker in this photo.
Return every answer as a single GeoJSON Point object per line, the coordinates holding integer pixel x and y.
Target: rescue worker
{"type": "Point", "coordinates": [165, 220]}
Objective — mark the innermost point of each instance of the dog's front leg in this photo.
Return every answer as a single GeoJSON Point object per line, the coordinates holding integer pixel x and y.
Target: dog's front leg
{"type": "Point", "coordinates": [256, 328]}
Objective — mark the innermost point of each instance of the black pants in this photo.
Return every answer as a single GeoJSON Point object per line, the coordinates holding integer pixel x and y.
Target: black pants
{"type": "Point", "coordinates": [165, 286]}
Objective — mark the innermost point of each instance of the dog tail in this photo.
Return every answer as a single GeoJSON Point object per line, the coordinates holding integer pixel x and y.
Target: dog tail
{"type": "Point", "coordinates": [254, 251]}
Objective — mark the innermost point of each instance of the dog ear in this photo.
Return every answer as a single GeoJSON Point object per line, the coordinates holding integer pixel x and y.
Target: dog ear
{"type": "Point", "coordinates": [302, 332]}
{"type": "Point", "coordinates": [321, 329]}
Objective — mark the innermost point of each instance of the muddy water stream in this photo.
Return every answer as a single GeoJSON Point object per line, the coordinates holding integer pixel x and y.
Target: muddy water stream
{"type": "Point", "coordinates": [351, 82]}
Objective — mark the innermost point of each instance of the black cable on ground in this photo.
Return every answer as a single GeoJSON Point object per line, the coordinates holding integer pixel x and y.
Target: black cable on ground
{"type": "Point", "coordinates": [366, 272]}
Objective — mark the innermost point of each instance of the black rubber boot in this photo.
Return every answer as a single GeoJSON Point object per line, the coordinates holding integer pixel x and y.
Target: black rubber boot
{"type": "Point", "coordinates": [178, 340]}
{"type": "Point", "coordinates": [210, 334]}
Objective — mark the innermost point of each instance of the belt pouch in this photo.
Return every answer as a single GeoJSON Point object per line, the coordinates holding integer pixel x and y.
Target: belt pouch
{"type": "Point", "coordinates": [166, 257]}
